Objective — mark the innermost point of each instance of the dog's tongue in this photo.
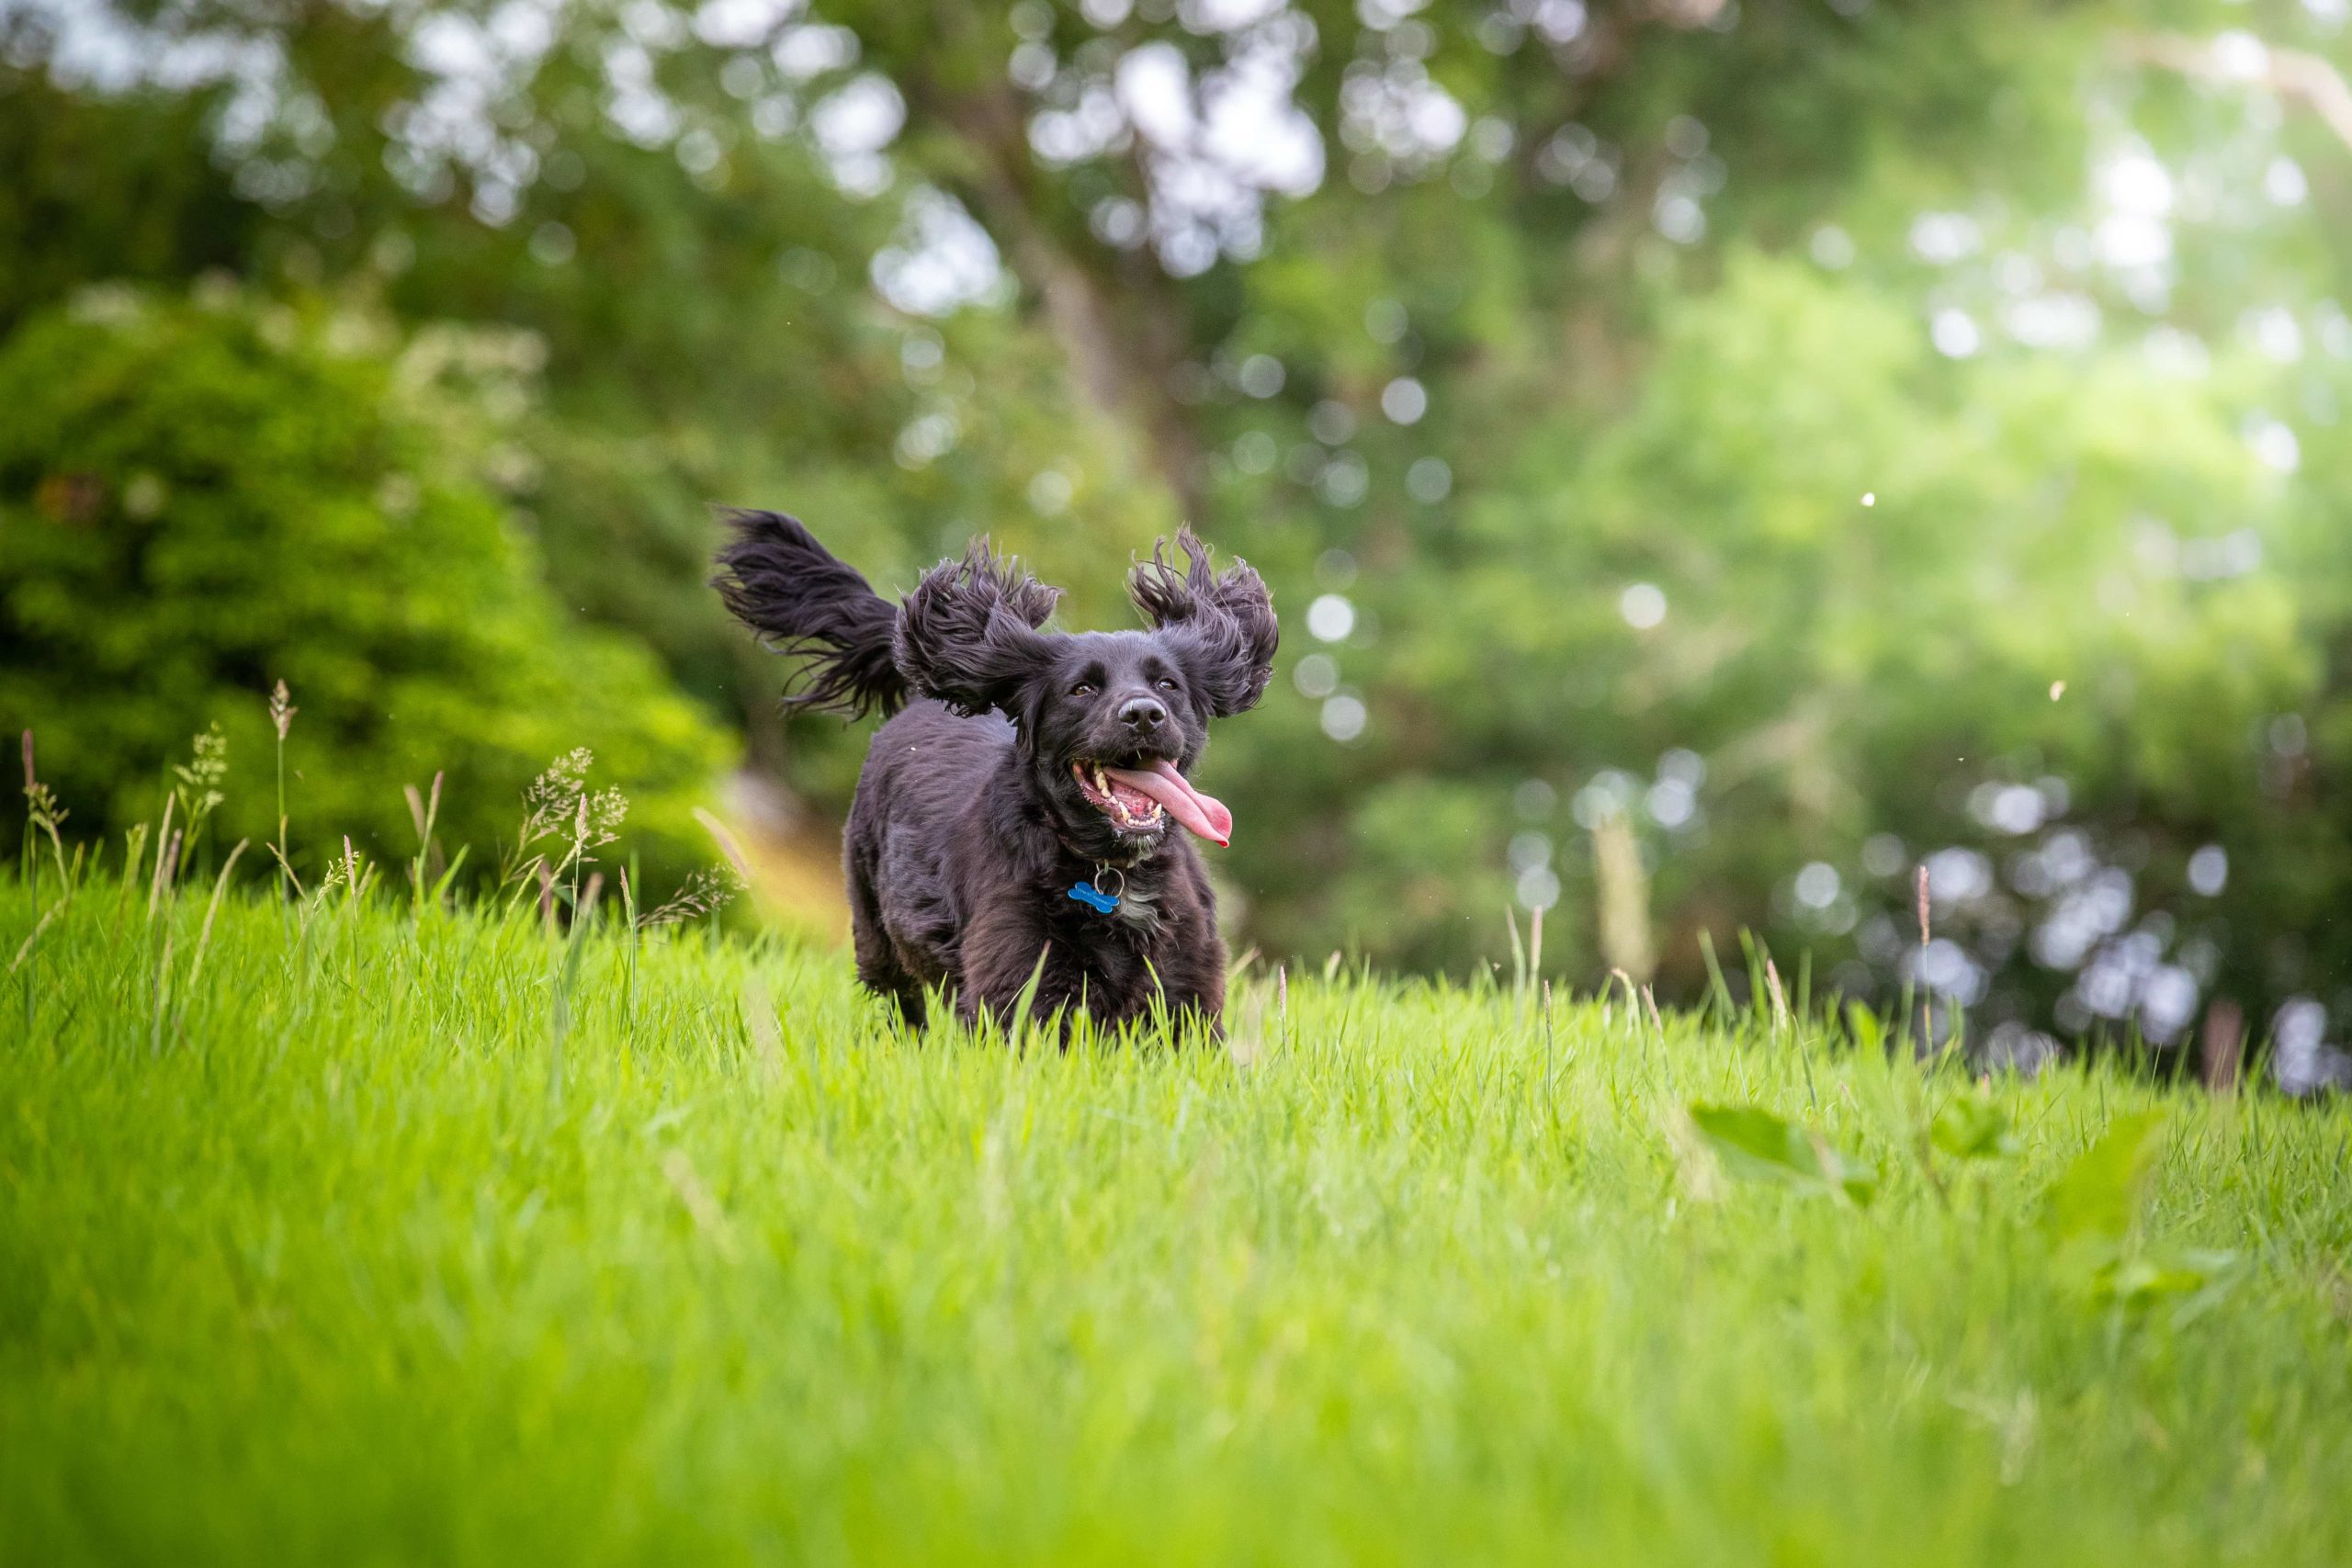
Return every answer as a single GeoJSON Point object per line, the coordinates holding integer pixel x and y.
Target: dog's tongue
{"type": "Point", "coordinates": [1201, 814]}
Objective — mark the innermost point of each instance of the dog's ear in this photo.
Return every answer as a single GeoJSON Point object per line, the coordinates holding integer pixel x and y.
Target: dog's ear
{"type": "Point", "coordinates": [968, 635]}
{"type": "Point", "coordinates": [1221, 623]}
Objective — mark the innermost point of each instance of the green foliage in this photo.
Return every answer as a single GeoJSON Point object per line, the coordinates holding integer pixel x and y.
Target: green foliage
{"type": "Point", "coordinates": [1755, 1143]}
{"type": "Point", "coordinates": [1865, 1028]}
{"type": "Point", "coordinates": [2095, 1216]}
{"type": "Point", "coordinates": [1828, 656]}
{"type": "Point", "coordinates": [199, 500]}
{"type": "Point", "coordinates": [444, 1236]}
{"type": "Point", "coordinates": [1971, 1126]}
{"type": "Point", "coordinates": [2097, 1201]}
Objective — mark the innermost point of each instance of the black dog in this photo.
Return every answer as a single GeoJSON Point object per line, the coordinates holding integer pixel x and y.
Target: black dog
{"type": "Point", "coordinates": [1015, 819]}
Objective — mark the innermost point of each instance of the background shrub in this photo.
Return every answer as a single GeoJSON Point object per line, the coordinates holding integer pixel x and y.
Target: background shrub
{"type": "Point", "coordinates": [199, 498]}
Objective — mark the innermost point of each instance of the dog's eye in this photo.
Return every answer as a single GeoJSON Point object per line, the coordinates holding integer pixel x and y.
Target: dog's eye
{"type": "Point", "coordinates": [1083, 689]}
{"type": "Point", "coordinates": [1167, 683]}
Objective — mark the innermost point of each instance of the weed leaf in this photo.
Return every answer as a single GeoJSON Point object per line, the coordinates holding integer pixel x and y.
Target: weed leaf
{"type": "Point", "coordinates": [2098, 1198]}
{"type": "Point", "coordinates": [1973, 1126]}
{"type": "Point", "coordinates": [1756, 1146]}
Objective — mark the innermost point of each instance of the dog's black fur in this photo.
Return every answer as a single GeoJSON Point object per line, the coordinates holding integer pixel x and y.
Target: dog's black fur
{"type": "Point", "coordinates": [969, 828]}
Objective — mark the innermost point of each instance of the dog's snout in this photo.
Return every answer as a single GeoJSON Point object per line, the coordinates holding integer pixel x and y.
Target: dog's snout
{"type": "Point", "coordinates": [1142, 714]}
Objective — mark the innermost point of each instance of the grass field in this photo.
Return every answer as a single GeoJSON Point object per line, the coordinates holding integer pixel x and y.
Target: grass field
{"type": "Point", "coordinates": [393, 1237]}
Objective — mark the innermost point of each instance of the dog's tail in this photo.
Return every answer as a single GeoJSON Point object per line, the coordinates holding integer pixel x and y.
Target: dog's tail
{"type": "Point", "coordinates": [776, 579]}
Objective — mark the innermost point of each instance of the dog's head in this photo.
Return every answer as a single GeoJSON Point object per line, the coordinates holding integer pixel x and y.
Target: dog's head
{"type": "Point", "coordinates": [1109, 723]}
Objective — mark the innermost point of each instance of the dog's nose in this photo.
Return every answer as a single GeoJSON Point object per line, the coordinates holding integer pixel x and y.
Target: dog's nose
{"type": "Point", "coordinates": [1140, 713]}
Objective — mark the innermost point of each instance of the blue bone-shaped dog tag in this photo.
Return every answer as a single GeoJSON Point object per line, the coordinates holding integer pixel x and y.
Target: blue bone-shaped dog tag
{"type": "Point", "coordinates": [1094, 898]}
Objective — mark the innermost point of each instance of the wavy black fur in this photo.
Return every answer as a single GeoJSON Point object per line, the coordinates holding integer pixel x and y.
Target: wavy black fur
{"type": "Point", "coordinates": [968, 635]}
{"type": "Point", "coordinates": [1224, 621]}
{"type": "Point", "coordinates": [817, 611]}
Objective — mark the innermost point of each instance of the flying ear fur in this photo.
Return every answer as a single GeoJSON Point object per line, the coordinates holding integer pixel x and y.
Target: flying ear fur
{"type": "Point", "coordinates": [1223, 623]}
{"type": "Point", "coordinates": [968, 635]}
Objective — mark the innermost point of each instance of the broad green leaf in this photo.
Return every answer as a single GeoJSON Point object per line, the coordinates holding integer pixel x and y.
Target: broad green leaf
{"type": "Point", "coordinates": [2203, 1278]}
{"type": "Point", "coordinates": [1745, 1136]}
{"type": "Point", "coordinates": [1973, 1126]}
{"type": "Point", "coordinates": [2100, 1196]}
{"type": "Point", "coordinates": [1757, 1145]}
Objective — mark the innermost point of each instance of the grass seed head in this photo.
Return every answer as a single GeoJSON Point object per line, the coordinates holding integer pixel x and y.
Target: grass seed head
{"type": "Point", "coordinates": [41, 809]}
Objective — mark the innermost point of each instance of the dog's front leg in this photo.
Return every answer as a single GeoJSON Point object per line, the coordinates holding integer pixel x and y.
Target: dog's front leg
{"type": "Point", "coordinates": [1197, 1008]}
{"type": "Point", "coordinates": [1003, 955]}
{"type": "Point", "coordinates": [1061, 1006]}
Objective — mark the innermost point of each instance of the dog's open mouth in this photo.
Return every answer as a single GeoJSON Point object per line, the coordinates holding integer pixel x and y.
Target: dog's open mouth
{"type": "Point", "coordinates": [1141, 799]}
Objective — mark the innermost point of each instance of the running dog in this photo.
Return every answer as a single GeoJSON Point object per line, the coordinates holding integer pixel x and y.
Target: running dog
{"type": "Point", "coordinates": [1018, 815]}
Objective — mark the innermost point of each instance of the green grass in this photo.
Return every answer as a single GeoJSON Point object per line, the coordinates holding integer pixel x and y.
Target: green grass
{"type": "Point", "coordinates": [331, 1257]}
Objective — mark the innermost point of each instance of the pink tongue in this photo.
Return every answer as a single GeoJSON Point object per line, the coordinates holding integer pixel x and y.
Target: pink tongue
{"type": "Point", "coordinates": [1205, 815]}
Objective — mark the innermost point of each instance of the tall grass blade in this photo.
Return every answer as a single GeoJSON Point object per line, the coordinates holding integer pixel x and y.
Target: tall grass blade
{"type": "Point", "coordinates": [211, 908]}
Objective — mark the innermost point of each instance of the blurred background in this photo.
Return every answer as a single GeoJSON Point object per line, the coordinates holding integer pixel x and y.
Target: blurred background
{"type": "Point", "coordinates": [1713, 457]}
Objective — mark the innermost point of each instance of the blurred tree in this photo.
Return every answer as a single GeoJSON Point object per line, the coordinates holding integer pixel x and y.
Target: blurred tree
{"type": "Point", "coordinates": [199, 501]}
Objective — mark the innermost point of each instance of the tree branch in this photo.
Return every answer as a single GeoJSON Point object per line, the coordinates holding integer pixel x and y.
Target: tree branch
{"type": "Point", "coordinates": [2289, 72]}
